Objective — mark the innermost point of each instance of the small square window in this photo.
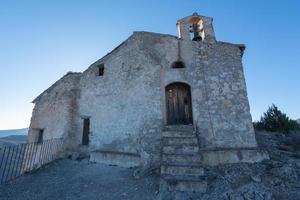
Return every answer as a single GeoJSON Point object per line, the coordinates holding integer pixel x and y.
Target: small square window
{"type": "Point", "coordinates": [101, 70]}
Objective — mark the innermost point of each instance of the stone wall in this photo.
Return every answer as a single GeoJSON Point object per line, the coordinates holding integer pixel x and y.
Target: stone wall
{"type": "Point", "coordinates": [126, 105]}
{"type": "Point", "coordinates": [55, 110]}
{"type": "Point", "coordinates": [219, 97]}
{"type": "Point", "coordinates": [224, 93]}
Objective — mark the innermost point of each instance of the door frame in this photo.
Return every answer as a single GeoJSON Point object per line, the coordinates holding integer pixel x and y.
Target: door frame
{"type": "Point", "coordinates": [164, 101]}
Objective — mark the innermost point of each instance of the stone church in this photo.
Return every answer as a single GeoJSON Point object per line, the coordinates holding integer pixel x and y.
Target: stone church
{"type": "Point", "coordinates": [156, 99]}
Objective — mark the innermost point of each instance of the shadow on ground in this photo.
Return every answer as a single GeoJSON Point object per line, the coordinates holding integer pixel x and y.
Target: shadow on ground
{"type": "Point", "coordinates": [68, 179]}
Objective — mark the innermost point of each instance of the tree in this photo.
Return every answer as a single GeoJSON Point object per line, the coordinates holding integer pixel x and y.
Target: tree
{"type": "Point", "coordinates": [276, 121]}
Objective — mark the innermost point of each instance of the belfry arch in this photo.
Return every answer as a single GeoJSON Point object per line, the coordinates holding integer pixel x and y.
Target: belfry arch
{"type": "Point", "coordinates": [196, 29]}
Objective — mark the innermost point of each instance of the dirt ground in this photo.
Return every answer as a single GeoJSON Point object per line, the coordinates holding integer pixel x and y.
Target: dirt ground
{"type": "Point", "coordinates": [68, 179]}
{"type": "Point", "coordinates": [274, 179]}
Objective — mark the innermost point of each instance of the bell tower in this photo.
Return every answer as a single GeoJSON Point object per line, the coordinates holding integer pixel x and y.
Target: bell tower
{"type": "Point", "coordinates": [196, 28]}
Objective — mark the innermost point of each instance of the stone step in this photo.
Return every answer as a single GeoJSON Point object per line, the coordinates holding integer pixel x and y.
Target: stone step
{"type": "Point", "coordinates": [183, 159]}
{"type": "Point", "coordinates": [181, 149]}
{"type": "Point", "coordinates": [179, 141]}
{"type": "Point", "coordinates": [179, 128]}
{"type": "Point", "coordinates": [187, 170]}
{"type": "Point", "coordinates": [122, 159]}
{"type": "Point", "coordinates": [185, 184]}
{"type": "Point", "coordinates": [178, 134]}
{"type": "Point", "coordinates": [190, 186]}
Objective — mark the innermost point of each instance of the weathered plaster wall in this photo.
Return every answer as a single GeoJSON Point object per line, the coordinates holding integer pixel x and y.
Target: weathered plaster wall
{"type": "Point", "coordinates": [56, 110]}
{"type": "Point", "coordinates": [223, 91]}
{"type": "Point", "coordinates": [219, 97]}
{"type": "Point", "coordinates": [127, 107]}
{"type": "Point", "coordinates": [124, 104]}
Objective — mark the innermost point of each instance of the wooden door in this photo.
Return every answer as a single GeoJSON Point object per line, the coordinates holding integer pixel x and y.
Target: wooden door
{"type": "Point", "coordinates": [179, 104]}
{"type": "Point", "coordinates": [86, 131]}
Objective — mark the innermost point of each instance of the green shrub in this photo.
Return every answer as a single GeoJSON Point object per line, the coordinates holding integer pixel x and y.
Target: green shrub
{"type": "Point", "coordinates": [276, 121]}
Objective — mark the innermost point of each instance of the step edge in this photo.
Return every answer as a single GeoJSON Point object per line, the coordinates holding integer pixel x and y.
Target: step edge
{"type": "Point", "coordinates": [184, 137]}
{"type": "Point", "coordinates": [184, 144]}
{"type": "Point", "coordinates": [179, 154]}
{"type": "Point", "coordinates": [188, 154]}
{"type": "Point", "coordinates": [182, 165]}
{"type": "Point", "coordinates": [185, 178]}
{"type": "Point", "coordinates": [185, 163]}
{"type": "Point", "coordinates": [179, 137]}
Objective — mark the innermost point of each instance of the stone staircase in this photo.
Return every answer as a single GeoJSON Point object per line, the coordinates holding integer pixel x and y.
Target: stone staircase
{"type": "Point", "coordinates": [181, 169]}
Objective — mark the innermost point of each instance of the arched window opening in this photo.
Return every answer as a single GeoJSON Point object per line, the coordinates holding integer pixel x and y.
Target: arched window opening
{"type": "Point", "coordinates": [196, 29]}
{"type": "Point", "coordinates": [178, 64]}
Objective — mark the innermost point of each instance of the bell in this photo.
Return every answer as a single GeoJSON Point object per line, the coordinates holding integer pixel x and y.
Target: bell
{"type": "Point", "coordinates": [197, 38]}
{"type": "Point", "coordinates": [196, 31]}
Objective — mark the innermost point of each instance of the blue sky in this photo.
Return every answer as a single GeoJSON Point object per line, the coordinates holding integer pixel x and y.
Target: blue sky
{"type": "Point", "coordinates": [40, 41]}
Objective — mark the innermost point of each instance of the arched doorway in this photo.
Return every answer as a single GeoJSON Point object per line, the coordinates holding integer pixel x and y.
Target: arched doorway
{"type": "Point", "coordinates": [178, 103]}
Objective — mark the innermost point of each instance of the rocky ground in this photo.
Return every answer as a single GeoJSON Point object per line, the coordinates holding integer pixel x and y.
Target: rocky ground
{"type": "Point", "coordinates": [277, 178]}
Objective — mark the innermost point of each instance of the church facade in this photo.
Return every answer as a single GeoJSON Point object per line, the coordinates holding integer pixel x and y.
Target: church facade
{"type": "Point", "coordinates": [124, 102]}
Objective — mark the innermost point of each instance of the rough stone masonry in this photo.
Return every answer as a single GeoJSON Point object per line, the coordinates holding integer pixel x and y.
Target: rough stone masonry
{"type": "Point", "coordinates": [117, 109]}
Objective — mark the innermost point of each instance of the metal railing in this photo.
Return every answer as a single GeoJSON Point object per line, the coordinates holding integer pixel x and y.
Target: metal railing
{"type": "Point", "coordinates": [18, 159]}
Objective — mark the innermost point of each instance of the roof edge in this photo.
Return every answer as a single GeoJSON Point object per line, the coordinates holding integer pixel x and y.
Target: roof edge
{"type": "Point", "coordinates": [54, 84]}
{"type": "Point", "coordinates": [135, 33]}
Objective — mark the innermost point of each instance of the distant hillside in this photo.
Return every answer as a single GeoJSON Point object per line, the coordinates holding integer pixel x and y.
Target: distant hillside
{"type": "Point", "coordinates": [12, 140]}
{"type": "Point", "coordinates": [298, 120]}
{"type": "Point", "coordinates": [12, 137]}
{"type": "Point", "coordinates": [5, 133]}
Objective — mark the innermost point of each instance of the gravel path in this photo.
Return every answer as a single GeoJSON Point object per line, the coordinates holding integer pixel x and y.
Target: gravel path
{"type": "Point", "coordinates": [67, 179]}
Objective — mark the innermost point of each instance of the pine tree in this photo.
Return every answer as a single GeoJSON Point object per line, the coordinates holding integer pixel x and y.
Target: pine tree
{"type": "Point", "coordinates": [276, 121]}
